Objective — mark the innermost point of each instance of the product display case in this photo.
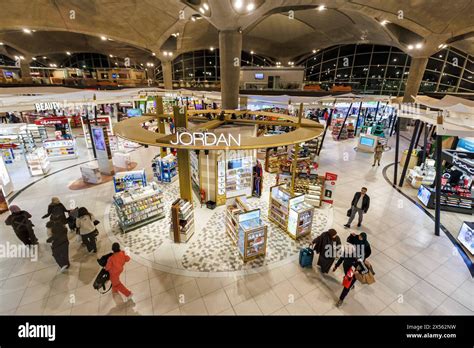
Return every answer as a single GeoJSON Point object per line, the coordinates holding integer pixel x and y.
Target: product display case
{"type": "Point", "coordinates": [38, 162]}
{"type": "Point", "coordinates": [466, 237]}
{"type": "Point", "coordinates": [246, 229]}
{"type": "Point", "coordinates": [165, 169]}
{"type": "Point", "coordinates": [449, 201]}
{"type": "Point", "coordinates": [290, 212]}
{"type": "Point", "coordinates": [59, 150]}
{"type": "Point", "coordinates": [139, 206]}
{"type": "Point", "coordinates": [422, 175]}
{"type": "Point", "coordinates": [128, 180]}
{"type": "Point", "coordinates": [273, 158]}
{"type": "Point", "coordinates": [239, 177]}
{"type": "Point", "coordinates": [182, 221]}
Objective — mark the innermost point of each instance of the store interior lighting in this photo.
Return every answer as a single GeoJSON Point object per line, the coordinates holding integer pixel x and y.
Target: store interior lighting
{"type": "Point", "coordinates": [1, 43]}
{"type": "Point", "coordinates": [103, 38]}
{"type": "Point", "coordinates": [26, 31]}
{"type": "Point", "coordinates": [418, 46]}
{"type": "Point", "coordinates": [321, 8]}
{"type": "Point", "coordinates": [68, 53]}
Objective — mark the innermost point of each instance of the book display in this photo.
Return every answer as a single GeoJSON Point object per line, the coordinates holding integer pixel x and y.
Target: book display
{"type": "Point", "coordinates": [38, 162]}
{"type": "Point", "coordinates": [165, 169]}
{"type": "Point", "coordinates": [58, 150]}
{"type": "Point", "coordinates": [139, 206]}
{"type": "Point", "coordinates": [290, 212]}
{"type": "Point", "coordinates": [127, 180]}
{"type": "Point", "coordinates": [182, 221]}
{"type": "Point", "coordinates": [246, 229]}
{"type": "Point", "coordinates": [239, 177]}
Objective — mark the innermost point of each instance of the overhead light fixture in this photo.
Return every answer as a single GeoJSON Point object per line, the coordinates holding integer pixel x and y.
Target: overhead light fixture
{"type": "Point", "coordinates": [211, 48]}
{"type": "Point", "coordinates": [251, 52]}
{"type": "Point", "coordinates": [1, 44]}
{"type": "Point", "coordinates": [321, 8]}
{"type": "Point", "coordinates": [22, 58]}
{"type": "Point", "coordinates": [34, 58]}
{"type": "Point", "coordinates": [116, 63]}
{"type": "Point", "coordinates": [418, 45]}
{"type": "Point", "coordinates": [103, 38]}
{"type": "Point", "coordinates": [84, 66]}
{"type": "Point", "coordinates": [410, 47]}
{"type": "Point", "coordinates": [193, 19]}
{"type": "Point", "coordinates": [170, 54]}
{"type": "Point", "coordinates": [153, 54]}
{"type": "Point", "coordinates": [201, 10]}
{"type": "Point", "coordinates": [111, 56]}
{"type": "Point", "coordinates": [442, 46]}
{"type": "Point", "coordinates": [314, 51]}
{"type": "Point", "coordinates": [238, 4]}
{"type": "Point", "coordinates": [26, 31]}
{"type": "Point", "coordinates": [68, 53]}
{"type": "Point", "coordinates": [384, 22]}
{"type": "Point", "coordinates": [250, 6]}
{"type": "Point", "coordinates": [206, 6]}
{"type": "Point", "coordinates": [16, 57]}
{"type": "Point", "coordinates": [45, 57]}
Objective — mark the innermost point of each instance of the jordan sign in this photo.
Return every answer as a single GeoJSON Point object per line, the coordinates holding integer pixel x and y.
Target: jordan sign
{"type": "Point", "coordinates": [204, 139]}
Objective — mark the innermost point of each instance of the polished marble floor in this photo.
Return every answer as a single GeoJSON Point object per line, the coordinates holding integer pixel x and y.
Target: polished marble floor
{"type": "Point", "coordinates": [416, 272]}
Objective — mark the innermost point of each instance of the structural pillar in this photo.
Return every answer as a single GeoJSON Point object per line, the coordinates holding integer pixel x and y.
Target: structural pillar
{"type": "Point", "coordinates": [439, 172]}
{"type": "Point", "coordinates": [417, 70]}
{"type": "Point", "coordinates": [243, 103]}
{"type": "Point", "coordinates": [184, 164]}
{"type": "Point", "coordinates": [159, 110]}
{"type": "Point", "coordinates": [25, 71]}
{"type": "Point", "coordinates": [167, 74]}
{"type": "Point", "coordinates": [230, 48]}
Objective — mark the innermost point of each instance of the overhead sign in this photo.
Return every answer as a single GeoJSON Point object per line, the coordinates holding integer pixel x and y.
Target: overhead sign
{"type": "Point", "coordinates": [204, 138]}
{"type": "Point", "coordinates": [47, 106]}
{"type": "Point", "coordinates": [8, 146]}
{"type": "Point", "coordinates": [51, 121]}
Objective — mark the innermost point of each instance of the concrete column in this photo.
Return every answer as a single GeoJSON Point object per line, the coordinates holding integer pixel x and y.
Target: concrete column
{"type": "Point", "coordinates": [417, 69]}
{"type": "Point", "coordinates": [167, 74]}
{"type": "Point", "coordinates": [230, 48]}
{"type": "Point", "coordinates": [243, 103]}
{"type": "Point", "coordinates": [25, 71]}
{"type": "Point", "coordinates": [184, 163]}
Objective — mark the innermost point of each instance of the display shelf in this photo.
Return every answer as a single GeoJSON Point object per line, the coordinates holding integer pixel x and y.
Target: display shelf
{"type": "Point", "coordinates": [127, 180]}
{"type": "Point", "coordinates": [165, 169]}
{"type": "Point", "coordinates": [59, 150]}
{"type": "Point", "coordinates": [239, 177]}
{"type": "Point", "coordinates": [182, 221]}
{"type": "Point", "coordinates": [246, 229]}
{"type": "Point", "coordinates": [38, 162]}
{"type": "Point", "coordinates": [448, 201]}
{"type": "Point", "coordinates": [138, 206]}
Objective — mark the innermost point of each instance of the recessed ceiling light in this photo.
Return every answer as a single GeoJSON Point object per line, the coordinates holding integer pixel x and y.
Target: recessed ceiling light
{"type": "Point", "coordinates": [84, 66]}
{"type": "Point", "coordinates": [34, 58]}
{"type": "Point", "coordinates": [206, 6]}
{"type": "Point", "coordinates": [314, 51]}
{"type": "Point", "coordinates": [211, 48]}
{"type": "Point", "coordinates": [410, 47]}
{"type": "Point", "coordinates": [238, 4]}
{"type": "Point", "coordinates": [321, 8]}
{"type": "Point", "coordinates": [153, 54]}
{"type": "Point", "coordinates": [251, 52]}
{"type": "Point", "coordinates": [26, 31]}
{"type": "Point", "coordinates": [250, 6]}
{"type": "Point", "coordinates": [45, 57]}
{"type": "Point", "coordinates": [384, 22]}
{"type": "Point", "coordinates": [193, 19]}
{"type": "Point", "coordinates": [111, 56]}
{"type": "Point", "coordinates": [418, 46]}
{"type": "Point", "coordinates": [22, 58]}
{"type": "Point", "coordinates": [201, 10]}
{"type": "Point", "coordinates": [68, 53]}
{"type": "Point", "coordinates": [103, 38]}
{"type": "Point", "coordinates": [1, 44]}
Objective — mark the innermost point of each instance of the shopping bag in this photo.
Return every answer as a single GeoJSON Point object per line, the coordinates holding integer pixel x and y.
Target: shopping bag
{"type": "Point", "coordinates": [347, 280]}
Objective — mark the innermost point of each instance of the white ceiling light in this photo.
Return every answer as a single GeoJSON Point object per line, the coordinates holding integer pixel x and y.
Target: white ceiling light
{"type": "Point", "coordinates": [321, 8]}
{"type": "Point", "coordinates": [206, 6]}
{"type": "Point", "coordinates": [34, 58]}
{"type": "Point", "coordinates": [201, 10]}
{"type": "Point", "coordinates": [84, 66]}
{"type": "Point", "coordinates": [250, 6]}
{"type": "Point", "coordinates": [26, 31]}
{"type": "Point", "coordinates": [22, 58]}
{"type": "Point", "coordinates": [384, 22]}
{"type": "Point", "coordinates": [418, 46]}
{"type": "Point", "coordinates": [153, 54]}
{"type": "Point", "coordinates": [111, 56]}
{"type": "Point", "coordinates": [442, 46]}
{"type": "Point", "coordinates": [410, 47]}
{"type": "Point", "coordinates": [16, 57]}
{"type": "Point", "coordinates": [314, 51]}
{"type": "Point", "coordinates": [238, 4]}
{"type": "Point", "coordinates": [45, 57]}
{"type": "Point", "coordinates": [68, 53]}
{"type": "Point", "coordinates": [211, 48]}
{"type": "Point", "coordinates": [103, 38]}
{"type": "Point", "coordinates": [1, 43]}
{"type": "Point", "coordinates": [193, 19]}
{"type": "Point", "coordinates": [251, 52]}
{"type": "Point", "coordinates": [170, 54]}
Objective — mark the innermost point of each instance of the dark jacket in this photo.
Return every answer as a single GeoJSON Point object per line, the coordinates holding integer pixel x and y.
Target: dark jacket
{"type": "Point", "coordinates": [20, 221]}
{"type": "Point", "coordinates": [57, 212]}
{"type": "Point", "coordinates": [356, 241]}
{"type": "Point", "coordinates": [365, 202]}
{"type": "Point", "coordinates": [58, 234]}
{"type": "Point", "coordinates": [348, 262]}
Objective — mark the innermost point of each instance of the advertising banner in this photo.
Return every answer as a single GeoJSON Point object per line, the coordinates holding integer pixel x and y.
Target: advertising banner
{"type": "Point", "coordinates": [329, 187]}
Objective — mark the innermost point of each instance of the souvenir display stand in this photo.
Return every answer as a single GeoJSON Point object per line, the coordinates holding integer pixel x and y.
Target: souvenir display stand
{"type": "Point", "coordinates": [165, 169]}
{"type": "Point", "coordinates": [90, 173]}
{"type": "Point", "coordinates": [246, 229]}
{"type": "Point", "coordinates": [38, 162]}
{"type": "Point", "coordinates": [59, 150]}
{"type": "Point", "coordinates": [182, 221]}
{"type": "Point", "coordinates": [139, 206]}
{"type": "Point", "coordinates": [128, 180]}
{"type": "Point", "coordinates": [290, 212]}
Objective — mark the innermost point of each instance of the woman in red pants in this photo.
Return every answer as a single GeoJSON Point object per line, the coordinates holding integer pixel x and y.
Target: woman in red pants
{"type": "Point", "coordinates": [114, 266]}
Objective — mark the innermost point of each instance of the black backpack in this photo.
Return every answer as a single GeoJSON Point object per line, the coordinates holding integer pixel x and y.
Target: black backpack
{"type": "Point", "coordinates": [100, 282]}
{"type": "Point", "coordinates": [21, 222]}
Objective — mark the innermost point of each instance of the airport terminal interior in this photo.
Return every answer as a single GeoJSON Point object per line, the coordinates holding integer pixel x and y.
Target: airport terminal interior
{"type": "Point", "coordinates": [236, 152]}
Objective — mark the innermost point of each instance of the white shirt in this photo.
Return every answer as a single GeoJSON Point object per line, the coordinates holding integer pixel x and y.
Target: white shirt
{"type": "Point", "coordinates": [359, 202]}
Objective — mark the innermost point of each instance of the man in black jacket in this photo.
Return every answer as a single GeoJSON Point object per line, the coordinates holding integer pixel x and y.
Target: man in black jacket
{"type": "Point", "coordinates": [360, 204]}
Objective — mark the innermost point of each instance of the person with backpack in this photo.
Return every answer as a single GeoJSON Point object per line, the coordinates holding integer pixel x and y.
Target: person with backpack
{"type": "Point", "coordinates": [20, 221]}
{"type": "Point", "coordinates": [325, 245]}
{"type": "Point", "coordinates": [86, 223]}
{"type": "Point", "coordinates": [58, 238]}
{"type": "Point", "coordinates": [351, 264]}
{"type": "Point", "coordinates": [56, 211]}
{"type": "Point", "coordinates": [114, 266]}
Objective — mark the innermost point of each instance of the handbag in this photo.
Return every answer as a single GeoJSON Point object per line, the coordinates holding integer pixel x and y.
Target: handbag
{"type": "Point", "coordinates": [96, 222]}
{"type": "Point", "coordinates": [349, 212]}
{"type": "Point", "coordinates": [367, 278]}
{"type": "Point", "coordinates": [347, 280]}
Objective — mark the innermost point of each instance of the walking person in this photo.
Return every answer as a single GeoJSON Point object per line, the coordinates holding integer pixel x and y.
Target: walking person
{"type": "Point", "coordinates": [378, 153]}
{"type": "Point", "coordinates": [86, 223]}
{"type": "Point", "coordinates": [351, 265]}
{"type": "Point", "coordinates": [114, 266]}
{"type": "Point", "coordinates": [57, 233]}
{"type": "Point", "coordinates": [56, 211]}
{"type": "Point", "coordinates": [20, 221]}
{"type": "Point", "coordinates": [326, 246]}
{"type": "Point", "coordinates": [360, 204]}
{"type": "Point", "coordinates": [364, 250]}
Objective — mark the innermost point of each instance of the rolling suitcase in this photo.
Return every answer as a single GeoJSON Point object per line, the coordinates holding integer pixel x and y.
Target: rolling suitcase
{"type": "Point", "coordinates": [306, 257]}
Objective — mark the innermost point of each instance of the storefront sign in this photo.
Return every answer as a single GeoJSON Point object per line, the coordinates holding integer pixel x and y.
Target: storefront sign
{"type": "Point", "coordinates": [8, 146]}
{"type": "Point", "coordinates": [461, 159]}
{"type": "Point", "coordinates": [205, 139]}
{"type": "Point", "coordinates": [51, 121]}
{"type": "Point", "coordinates": [47, 106]}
